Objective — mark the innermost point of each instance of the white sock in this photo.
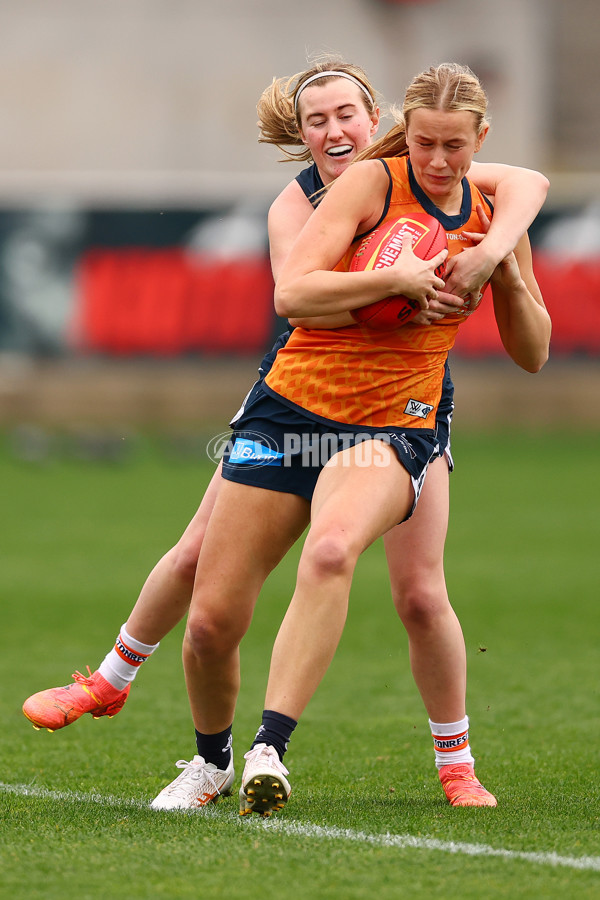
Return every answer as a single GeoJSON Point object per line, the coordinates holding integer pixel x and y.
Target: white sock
{"type": "Point", "coordinates": [121, 665]}
{"type": "Point", "coordinates": [451, 742]}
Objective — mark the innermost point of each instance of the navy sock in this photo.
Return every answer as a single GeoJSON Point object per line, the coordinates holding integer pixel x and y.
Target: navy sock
{"type": "Point", "coordinates": [215, 748]}
{"type": "Point", "coordinates": [276, 730]}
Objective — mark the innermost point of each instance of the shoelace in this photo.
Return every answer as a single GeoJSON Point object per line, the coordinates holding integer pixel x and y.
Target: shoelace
{"type": "Point", "coordinates": [197, 771]}
{"type": "Point", "coordinates": [86, 682]}
{"type": "Point", "coordinates": [270, 757]}
{"type": "Point", "coordinates": [80, 678]}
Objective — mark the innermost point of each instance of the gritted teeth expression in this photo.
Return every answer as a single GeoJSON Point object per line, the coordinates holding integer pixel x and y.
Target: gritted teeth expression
{"type": "Point", "coordinates": [441, 144]}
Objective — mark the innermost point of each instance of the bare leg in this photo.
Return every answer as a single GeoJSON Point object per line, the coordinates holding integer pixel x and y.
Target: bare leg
{"type": "Point", "coordinates": [250, 531]}
{"type": "Point", "coordinates": [415, 553]}
{"type": "Point", "coordinates": [165, 597]}
{"type": "Point", "coordinates": [162, 603]}
{"type": "Point", "coordinates": [352, 506]}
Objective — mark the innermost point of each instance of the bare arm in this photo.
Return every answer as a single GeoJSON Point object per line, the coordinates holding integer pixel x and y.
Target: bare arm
{"type": "Point", "coordinates": [307, 284]}
{"type": "Point", "coordinates": [288, 214]}
{"type": "Point", "coordinates": [335, 320]}
{"type": "Point", "coordinates": [518, 194]}
{"type": "Point", "coordinates": [523, 321]}
{"type": "Point", "coordinates": [522, 318]}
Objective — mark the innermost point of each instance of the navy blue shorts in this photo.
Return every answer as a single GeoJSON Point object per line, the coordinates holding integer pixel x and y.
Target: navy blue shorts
{"type": "Point", "coordinates": [443, 418]}
{"type": "Point", "coordinates": [277, 447]}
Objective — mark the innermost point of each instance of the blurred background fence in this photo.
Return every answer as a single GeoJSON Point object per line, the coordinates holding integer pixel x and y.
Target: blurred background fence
{"type": "Point", "coordinates": [135, 285]}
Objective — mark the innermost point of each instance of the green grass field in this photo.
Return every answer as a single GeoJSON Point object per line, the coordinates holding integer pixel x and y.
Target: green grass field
{"type": "Point", "coordinates": [367, 817]}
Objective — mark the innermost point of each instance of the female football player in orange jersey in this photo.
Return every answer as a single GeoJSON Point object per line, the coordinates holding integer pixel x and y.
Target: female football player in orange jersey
{"type": "Point", "coordinates": [386, 387]}
{"type": "Point", "coordinates": [331, 118]}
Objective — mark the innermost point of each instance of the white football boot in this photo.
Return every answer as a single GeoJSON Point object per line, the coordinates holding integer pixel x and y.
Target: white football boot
{"type": "Point", "coordinates": [265, 789]}
{"type": "Point", "coordinates": [200, 783]}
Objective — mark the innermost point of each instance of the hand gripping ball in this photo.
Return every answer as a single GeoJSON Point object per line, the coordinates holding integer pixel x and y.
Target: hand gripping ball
{"type": "Point", "coordinates": [381, 248]}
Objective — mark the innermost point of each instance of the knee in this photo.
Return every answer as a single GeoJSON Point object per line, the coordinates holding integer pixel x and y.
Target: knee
{"type": "Point", "coordinates": [329, 556]}
{"type": "Point", "coordinates": [213, 630]}
{"type": "Point", "coordinates": [205, 637]}
{"type": "Point", "coordinates": [420, 602]}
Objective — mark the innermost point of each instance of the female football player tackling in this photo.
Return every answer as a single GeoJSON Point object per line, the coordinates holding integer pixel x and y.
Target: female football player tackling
{"type": "Point", "coordinates": [335, 116]}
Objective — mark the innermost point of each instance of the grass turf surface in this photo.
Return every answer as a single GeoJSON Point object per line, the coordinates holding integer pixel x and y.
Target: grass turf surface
{"type": "Point", "coordinates": [77, 542]}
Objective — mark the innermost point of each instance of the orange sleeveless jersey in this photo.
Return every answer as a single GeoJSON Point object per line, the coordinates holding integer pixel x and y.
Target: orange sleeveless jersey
{"type": "Point", "coordinates": [358, 376]}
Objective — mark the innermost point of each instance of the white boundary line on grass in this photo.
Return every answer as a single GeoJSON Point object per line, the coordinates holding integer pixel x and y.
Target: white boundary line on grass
{"type": "Point", "coordinates": [403, 841]}
{"type": "Point", "coordinates": [400, 841]}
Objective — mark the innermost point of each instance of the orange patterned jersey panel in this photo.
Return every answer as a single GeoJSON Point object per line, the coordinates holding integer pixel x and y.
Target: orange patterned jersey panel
{"type": "Point", "coordinates": [359, 376]}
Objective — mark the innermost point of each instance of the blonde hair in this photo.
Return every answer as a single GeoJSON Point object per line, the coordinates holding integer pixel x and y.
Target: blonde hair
{"type": "Point", "coordinates": [450, 87]}
{"type": "Point", "coordinates": [280, 118]}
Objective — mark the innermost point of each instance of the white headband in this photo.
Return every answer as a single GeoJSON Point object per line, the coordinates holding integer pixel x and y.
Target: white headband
{"type": "Point", "coordinates": [324, 75]}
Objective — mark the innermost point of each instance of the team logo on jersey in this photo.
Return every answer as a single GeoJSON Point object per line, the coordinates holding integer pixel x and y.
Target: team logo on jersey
{"type": "Point", "coordinates": [416, 408]}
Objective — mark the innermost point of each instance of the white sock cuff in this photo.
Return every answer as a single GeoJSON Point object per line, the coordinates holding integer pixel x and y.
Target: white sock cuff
{"type": "Point", "coordinates": [451, 742]}
{"type": "Point", "coordinates": [134, 644]}
{"type": "Point", "coordinates": [449, 728]}
{"type": "Point", "coordinates": [121, 665]}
